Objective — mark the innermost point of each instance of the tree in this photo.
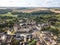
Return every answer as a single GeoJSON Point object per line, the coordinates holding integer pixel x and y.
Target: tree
{"type": "Point", "coordinates": [15, 42]}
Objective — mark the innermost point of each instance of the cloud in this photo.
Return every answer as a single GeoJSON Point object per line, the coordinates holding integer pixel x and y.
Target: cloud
{"type": "Point", "coordinates": [30, 3]}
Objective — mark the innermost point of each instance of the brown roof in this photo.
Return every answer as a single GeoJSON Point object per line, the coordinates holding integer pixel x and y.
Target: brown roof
{"type": "Point", "coordinates": [38, 43]}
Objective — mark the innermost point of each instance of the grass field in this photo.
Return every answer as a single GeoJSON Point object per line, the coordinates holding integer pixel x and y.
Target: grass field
{"type": "Point", "coordinates": [8, 14]}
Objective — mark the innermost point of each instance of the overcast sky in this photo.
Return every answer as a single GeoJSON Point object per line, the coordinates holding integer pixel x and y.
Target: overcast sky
{"type": "Point", "coordinates": [29, 3]}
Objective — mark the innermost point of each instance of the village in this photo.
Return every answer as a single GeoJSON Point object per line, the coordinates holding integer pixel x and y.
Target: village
{"type": "Point", "coordinates": [25, 31]}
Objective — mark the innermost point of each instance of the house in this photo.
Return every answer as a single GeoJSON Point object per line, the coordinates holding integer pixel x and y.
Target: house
{"type": "Point", "coordinates": [54, 42]}
{"type": "Point", "coordinates": [47, 24]}
{"type": "Point", "coordinates": [3, 37]}
{"type": "Point", "coordinates": [16, 26]}
{"type": "Point", "coordinates": [18, 37]}
{"type": "Point", "coordinates": [38, 28]}
{"type": "Point", "coordinates": [23, 43]}
{"type": "Point", "coordinates": [47, 33]}
{"type": "Point", "coordinates": [23, 36]}
{"type": "Point", "coordinates": [38, 43]}
{"type": "Point", "coordinates": [9, 38]}
{"type": "Point", "coordinates": [24, 30]}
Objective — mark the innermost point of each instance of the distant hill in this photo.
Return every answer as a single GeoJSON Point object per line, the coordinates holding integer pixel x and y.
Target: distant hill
{"type": "Point", "coordinates": [29, 10]}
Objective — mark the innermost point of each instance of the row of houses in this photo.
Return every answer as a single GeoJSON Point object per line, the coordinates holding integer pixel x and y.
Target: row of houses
{"type": "Point", "coordinates": [5, 39]}
{"type": "Point", "coordinates": [48, 37]}
{"type": "Point", "coordinates": [24, 31]}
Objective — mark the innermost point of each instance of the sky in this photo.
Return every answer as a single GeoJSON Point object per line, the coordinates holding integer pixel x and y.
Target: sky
{"type": "Point", "coordinates": [29, 3]}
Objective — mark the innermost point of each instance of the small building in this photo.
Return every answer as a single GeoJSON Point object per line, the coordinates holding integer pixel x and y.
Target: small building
{"type": "Point", "coordinates": [24, 36]}
{"type": "Point", "coordinates": [3, 37]}
{"type": "Point", "coordinates": [38, 43]}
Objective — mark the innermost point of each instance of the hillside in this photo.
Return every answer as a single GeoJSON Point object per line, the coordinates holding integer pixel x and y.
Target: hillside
{"type": "Point", "coordinates": [35, 10]}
